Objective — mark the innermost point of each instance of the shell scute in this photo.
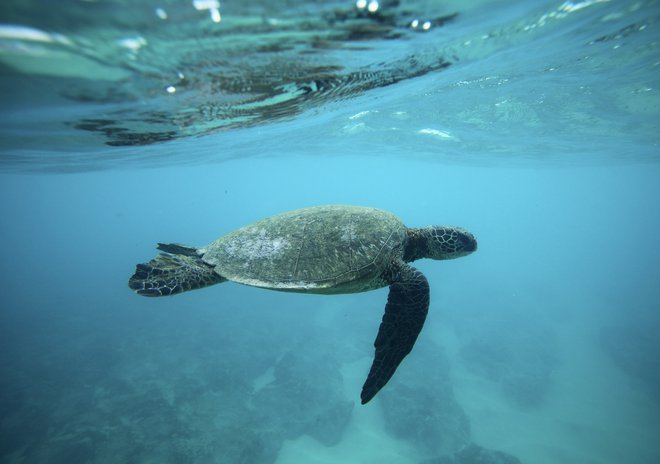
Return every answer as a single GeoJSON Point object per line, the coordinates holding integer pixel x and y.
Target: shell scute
{"type": "Point", "coordinates": [324, 249]}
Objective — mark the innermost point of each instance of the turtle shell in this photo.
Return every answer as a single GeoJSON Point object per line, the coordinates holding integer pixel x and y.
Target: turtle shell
{"type": "Point", "coordinates": [322, 249]}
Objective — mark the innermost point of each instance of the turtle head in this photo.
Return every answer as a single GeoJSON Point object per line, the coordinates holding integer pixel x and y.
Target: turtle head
{"type": "Point", "coordinates": [439, 242]}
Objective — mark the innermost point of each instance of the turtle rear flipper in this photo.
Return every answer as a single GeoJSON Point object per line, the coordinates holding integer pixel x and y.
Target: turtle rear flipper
{"type": "Point", "coordinates": [405, 313]}
{"type": "Point", "coordinates": [169, 274]}
{"type": "Point", "coordinates": [178, 249]}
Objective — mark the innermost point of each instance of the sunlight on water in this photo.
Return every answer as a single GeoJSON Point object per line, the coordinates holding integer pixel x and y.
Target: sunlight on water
{"type": "Point", "coordinates": [183, 75]}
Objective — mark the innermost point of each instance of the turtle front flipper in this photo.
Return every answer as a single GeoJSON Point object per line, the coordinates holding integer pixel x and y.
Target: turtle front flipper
{"type": "Point", "coordinates": [405, 313]}
{"type": "Point", "coordinates": [168, 274]}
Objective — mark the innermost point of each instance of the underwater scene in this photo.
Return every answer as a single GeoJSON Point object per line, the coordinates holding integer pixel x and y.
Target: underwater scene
{"type": "Point", "coordinates": [457, 204]}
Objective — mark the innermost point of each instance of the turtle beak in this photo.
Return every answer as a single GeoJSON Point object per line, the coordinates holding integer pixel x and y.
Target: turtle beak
{"type": "Point", "coordinates": [469, 242]}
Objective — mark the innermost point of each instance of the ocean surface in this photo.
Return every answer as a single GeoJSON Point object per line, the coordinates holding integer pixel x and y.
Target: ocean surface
{"type": "Point", "coordinates": [535, 125]}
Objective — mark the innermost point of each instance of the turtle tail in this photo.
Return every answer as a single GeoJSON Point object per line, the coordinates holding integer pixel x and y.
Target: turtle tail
{"type": "Point", "coordinates": [178, 270]}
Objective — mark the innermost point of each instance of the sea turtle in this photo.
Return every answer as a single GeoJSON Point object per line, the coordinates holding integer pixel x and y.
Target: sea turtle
{"type": "Point", "coordinates": [322, 249]}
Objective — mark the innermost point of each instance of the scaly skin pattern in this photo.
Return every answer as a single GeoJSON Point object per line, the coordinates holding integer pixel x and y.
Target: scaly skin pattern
{"type": "Point", "coordinates": [405, 313]}
{"type": "Point", "coordinates": [169, 274]}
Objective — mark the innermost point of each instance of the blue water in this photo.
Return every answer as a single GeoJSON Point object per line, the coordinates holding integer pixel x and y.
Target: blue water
{"type": "Point", "coordinates": [532, 124]}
